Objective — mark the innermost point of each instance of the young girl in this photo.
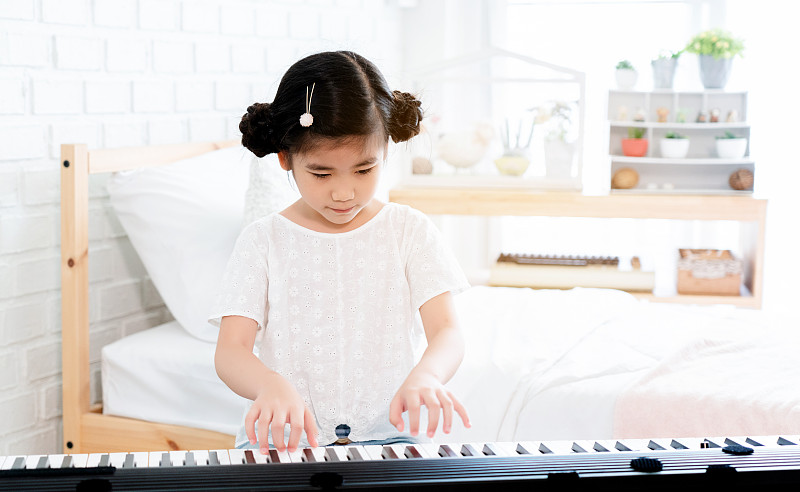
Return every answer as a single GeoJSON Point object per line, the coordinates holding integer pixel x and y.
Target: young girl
{"type": "Point", "coordinates": [337, 282]}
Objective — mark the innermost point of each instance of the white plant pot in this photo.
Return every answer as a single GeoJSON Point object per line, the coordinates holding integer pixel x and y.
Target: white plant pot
{"type": "Point", "coordinates": [558, 158]}
{"type": "Point", "coordinates": [674, 148]}
{"type": "Point", "coordinates": [626, 78]}
{"type": "Point", "coordinates": [731, 148]}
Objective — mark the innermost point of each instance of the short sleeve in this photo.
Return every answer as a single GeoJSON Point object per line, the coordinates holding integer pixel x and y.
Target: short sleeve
{"type": "Point", "coordinates": [243, 291]}
{"type": "Point", "coordinates": [431, 268]}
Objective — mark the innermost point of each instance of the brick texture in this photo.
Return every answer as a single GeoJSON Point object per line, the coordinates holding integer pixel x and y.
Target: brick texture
{"type": "Point", "coordinates": [113, 73]}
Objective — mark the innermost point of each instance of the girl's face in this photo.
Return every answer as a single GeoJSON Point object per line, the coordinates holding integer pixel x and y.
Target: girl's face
{"type": "Point", "coordinates": [337, 180]}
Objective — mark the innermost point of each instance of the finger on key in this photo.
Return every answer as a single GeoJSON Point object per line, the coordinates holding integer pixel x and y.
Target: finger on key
{"type": "Point", "coordinates": [434, 409]}
{"type": "Point", "coordinates": [396, 413]}
{"type": "Point", "coordinates": [447, 410]}
{"type": "Point", "coordinates": [310, 427]}
{"type": "Point", "coordinates": [278, 424]}
{"type": "Point", "coordinates": [413, 415]}
{"type": "Point", "coordinates": [296, 426]}
{"type": "Point", "coordinates": [250, 423]}
{"type": "Point", "coordinates": [262, 432]}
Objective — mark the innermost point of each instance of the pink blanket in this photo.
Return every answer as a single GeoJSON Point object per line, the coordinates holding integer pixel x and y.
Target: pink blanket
{"type": "Point", "coordinates": [713, 387]}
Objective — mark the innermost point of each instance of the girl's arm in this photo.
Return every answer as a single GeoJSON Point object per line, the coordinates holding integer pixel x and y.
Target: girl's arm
{"type": "Point", "coordinates": [275, 401]}
{"type": "Point", "coordinates": [425, 384]}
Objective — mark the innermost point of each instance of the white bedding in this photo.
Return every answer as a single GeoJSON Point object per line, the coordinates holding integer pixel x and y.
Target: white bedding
{"type": "Point", "coordinates": [540, 364]}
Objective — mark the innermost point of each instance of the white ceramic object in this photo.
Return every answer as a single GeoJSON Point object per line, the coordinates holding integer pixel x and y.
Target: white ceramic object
{"type": "Point", "coordinates": [626, 78]}
{"type": "Point", "coordinates": [674, 148]}
{"type": "Point", "coordinates": [731, 148]}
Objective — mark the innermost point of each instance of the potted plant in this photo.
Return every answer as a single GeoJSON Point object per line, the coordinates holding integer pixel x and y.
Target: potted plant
{"type": "Point", "coordinates": [626, 75]}
{"type": "Point", "coordinates": [559, 146]}
{"type": "Point", "coordinates": [674, 146]}
{"type": "Point", "coordinates": [731, 146]}
{"type": "Point", "coordinates": [635, 145]}
{"type": "Point", "coordinates": [715, 49]}
{"type": "Point", "coordinates": [664, 69]}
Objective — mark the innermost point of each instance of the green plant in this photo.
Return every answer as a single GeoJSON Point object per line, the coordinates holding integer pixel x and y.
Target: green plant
{"type": "Point", "coordinates": [625, 65]}
{"type": "Point", "coordinates": [717, 43]}
{"type": "Point", "coordinates": [674, 135]}
{"type": "Point", "coordinates": [635, 132]}
{"type": "Point", "coordinates": [728, 135]}
{"type": "Point", "coordinates": [666, 54]}
{"type": "Point", "coordinates": [558, 117]}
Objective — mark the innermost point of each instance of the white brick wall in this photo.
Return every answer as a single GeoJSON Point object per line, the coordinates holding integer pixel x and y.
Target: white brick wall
{"type": "Point", "coordinates": [113, 73]}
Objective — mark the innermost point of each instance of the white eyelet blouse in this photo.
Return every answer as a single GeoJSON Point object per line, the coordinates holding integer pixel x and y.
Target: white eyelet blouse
{"type": "Point", "coordinates": [339, 312]}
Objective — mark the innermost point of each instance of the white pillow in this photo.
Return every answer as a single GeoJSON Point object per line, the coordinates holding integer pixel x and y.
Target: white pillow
{"type": "Point", "coordinates": [183, 220]}
{"type": "Point", "coordinates": [270, 189]}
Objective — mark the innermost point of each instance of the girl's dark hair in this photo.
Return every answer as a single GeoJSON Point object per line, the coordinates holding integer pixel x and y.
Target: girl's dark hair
{"type": "Point", "coordinates": [351, 98]}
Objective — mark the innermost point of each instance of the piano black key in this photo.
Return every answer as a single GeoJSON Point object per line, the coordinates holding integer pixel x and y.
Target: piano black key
{"type": "Point", "coordinates": [354, 454]}
{"type": "Point", "coordinates": [330, 455]}
{"type": "Point", "coordinates": [213, 459]}
{"type": "Point", "coordinates": [165, 460]}
{"type": "Point", "coordinates": [412, 452]}
{"type": "Point", "coordinates": [782, 441]}
{"type": "Point", "coordinates": [129, 462]}
{"type": "Point", "coordinates": [731, 442]}
{"type": "Point", "coordinates": [544, 449]}
{"type": "Point", "coordinates": [389, 454]}
{"type": "Point", "coordinates": [600, 448]}
{"type": "Point", "coordinates": [489, 449]}
{"type": "Point", "coordinates": [469, 450]}
{"type": "Point", "coordinates": [249, 459]}
{"type": "Point", "coordinates": [676, 445]}
{"type": "Point", "coordinates": [274, 456]}
{"type": "Point", "coordinates": [44, 462]}
{"type": "Point", "coordinates": [103, 460]}
{"type": "Point", "coordinates": [752, 442]}
{"type": "Point", "coordinates": [446, 451]}
{"type": "Point", "coordinates": [66, 462]}
{"type": "Point", "coordinates": [19, 463]}
{"type": "Point", "coordinates": [188, 460]}
{"type": "Point", "coordinates": [710, 444]}
{"type": "Point", "coordinates": [621, 447]}
{"type": "Point", "coordinates": [577, 448]}
{"type": "Point", "coordinates": [655, 446]}
{"type": "Point", "coordinates": [308, 456]}
{"type": "Point", "coordinates": [522, 449]}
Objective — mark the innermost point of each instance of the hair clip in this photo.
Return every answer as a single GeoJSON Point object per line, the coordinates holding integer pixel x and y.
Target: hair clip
{"type": "Point", "coordinates": [306, 119]}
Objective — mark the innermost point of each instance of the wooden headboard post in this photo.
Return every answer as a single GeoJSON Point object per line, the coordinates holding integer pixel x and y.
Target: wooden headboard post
{"type": "Point", "coordinates": [74, 290]}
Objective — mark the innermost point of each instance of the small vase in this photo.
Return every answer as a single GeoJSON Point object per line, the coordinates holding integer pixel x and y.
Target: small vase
{"type": "Point", "coordinates": [731, 148]}
{"type": "Point", "coordinates": [664, 72]}
{"type": "Point", "coordinates": [674, 148]}
{"type": "Point", "coordinates": [714, 72]}
{"type": "Point", "coordinates": [558, 158]}
{"type": "Point", "coordinates": [512, 164]}
{"type": "Point", "coordinates": [626, 78]}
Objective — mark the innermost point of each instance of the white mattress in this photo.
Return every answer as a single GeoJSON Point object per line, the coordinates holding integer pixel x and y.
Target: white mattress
{"type": "Point", "coordinates": [166, 375]}
{"type": "Point", "coordinates": [539, 365]}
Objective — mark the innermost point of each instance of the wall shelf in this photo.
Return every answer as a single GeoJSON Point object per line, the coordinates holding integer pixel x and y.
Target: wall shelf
{"type": "Point", "coordinates": [743, 209]}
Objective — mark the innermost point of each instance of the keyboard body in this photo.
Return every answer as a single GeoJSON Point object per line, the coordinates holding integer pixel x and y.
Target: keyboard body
{"type": "Point", "coordinates": [643, 464]}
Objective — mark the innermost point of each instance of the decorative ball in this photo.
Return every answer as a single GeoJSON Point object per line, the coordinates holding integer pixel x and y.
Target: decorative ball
{"type": "Point", "coordinates": [741, 179]}
{"type": "Point", "coordinates": [624, 179]}
{"type": "Point", "coordinates": [421, 165]}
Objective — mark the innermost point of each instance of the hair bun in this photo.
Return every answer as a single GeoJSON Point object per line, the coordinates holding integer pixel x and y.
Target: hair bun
{"type": "Point", "coordinates": [406, 117]}
{"type": "Point", "coordinates": [256, 130]}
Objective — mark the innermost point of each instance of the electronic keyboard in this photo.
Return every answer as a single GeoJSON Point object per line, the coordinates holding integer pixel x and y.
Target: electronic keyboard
{"type": "Point", "coordinates": [637, 464]}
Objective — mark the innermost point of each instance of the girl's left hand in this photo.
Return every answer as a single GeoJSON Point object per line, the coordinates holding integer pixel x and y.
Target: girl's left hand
{"type": "Point", "coordinates": [419, 389]}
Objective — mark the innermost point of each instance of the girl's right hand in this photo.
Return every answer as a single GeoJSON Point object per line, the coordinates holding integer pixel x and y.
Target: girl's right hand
{"type": "Point", "coordinates": [278, 403]}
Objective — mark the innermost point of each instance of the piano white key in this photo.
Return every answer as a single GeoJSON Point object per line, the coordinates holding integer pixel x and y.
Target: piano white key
{"type": "Point", "coordinates": [222, 457]}
{"type": "Point", "coordinates": [116, 459]}
{"type": "Point", "coordinates": [340, 453]}
{"type": "Point", "coordinates": [14, 461]}
{"type": "Point", "coordinates": [555, 447]}
{"type": "Point", "coordinates": [429, 449]}
{"type": "Point", "coordinates": [79, 460]}
{"type": "Point", "coordinates": [200, 457]}
{"type": "Point", "coordinates": [236, 456]}
{"type": "Point", "coordinates": [638, 445]}
{"type": "Point", "coordinates": [296, 456]}
{"type": "Point", "coordinates": [55, 460]}
{"type": "Point", "coordinates": [35, 461]}
{"type": "Point", "coordinates": [98, 459]}
{"type": "Point", "coordinates": [373, 451]}
{"type": "Point", "coordinates": [504, 448]}
{"type": "Point", "coordinates": [425, 453]}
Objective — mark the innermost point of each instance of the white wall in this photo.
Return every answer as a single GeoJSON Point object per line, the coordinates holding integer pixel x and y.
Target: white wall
{"type": "Point", "coordinates": [113, 73]}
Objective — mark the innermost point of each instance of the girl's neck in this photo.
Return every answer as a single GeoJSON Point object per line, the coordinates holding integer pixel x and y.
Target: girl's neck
{"type": "Point", "coordinates": [303, 215]}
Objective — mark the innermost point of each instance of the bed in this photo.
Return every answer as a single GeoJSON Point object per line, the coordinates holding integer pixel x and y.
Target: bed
{"type": "Point", "coordinates": [540, 364]}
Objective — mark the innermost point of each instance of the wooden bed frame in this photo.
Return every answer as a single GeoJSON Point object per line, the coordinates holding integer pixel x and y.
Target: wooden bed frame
{"type": "Point", "coordinates": [86, 428]}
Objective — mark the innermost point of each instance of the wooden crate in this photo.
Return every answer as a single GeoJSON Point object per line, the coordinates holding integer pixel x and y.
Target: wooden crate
{"type": "Point", "coordinates": [709, 272]}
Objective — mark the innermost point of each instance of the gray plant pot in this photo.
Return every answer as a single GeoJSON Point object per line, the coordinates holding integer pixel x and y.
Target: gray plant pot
{"type": "Point", "coordinates": [714, 72]}
{"type": "Point", "coordinates": [663, 72]}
